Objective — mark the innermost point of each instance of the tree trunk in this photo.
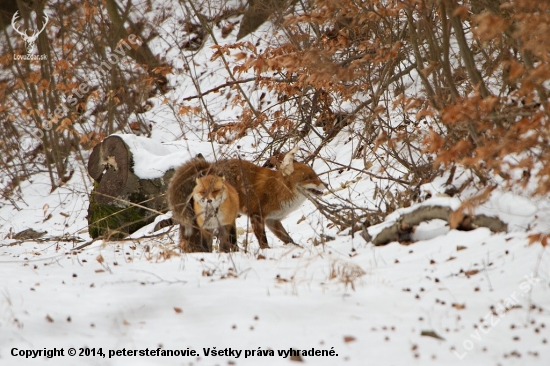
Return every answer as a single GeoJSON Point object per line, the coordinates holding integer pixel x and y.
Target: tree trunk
{"type": "Point", "coordinates": [142, 54]}
{"type": "Point", "coordinates": [258, 12]}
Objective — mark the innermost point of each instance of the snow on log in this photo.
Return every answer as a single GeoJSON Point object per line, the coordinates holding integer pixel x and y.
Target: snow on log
{"type": "Point", "coordinates": [131, 175]}
{"type": "Point", "coordinates": [400, 225]}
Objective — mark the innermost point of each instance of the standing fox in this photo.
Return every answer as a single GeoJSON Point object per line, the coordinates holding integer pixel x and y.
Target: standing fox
{"type": "Point", "coordinates": [216, 205]}
{"type": "Point", "coordinates": [266, 196]}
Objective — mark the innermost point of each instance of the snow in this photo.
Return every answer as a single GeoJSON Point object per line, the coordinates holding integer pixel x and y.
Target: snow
{"type": "Point", "coordinates": [364, 302]}
{"type": "Point", "coordinates": [152, 159]}
{"type": "Point", "coordinates": [486, 295]}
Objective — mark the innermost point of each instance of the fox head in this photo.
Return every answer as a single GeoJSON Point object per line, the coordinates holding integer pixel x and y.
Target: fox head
{"type": "Point", "coordinates": [210, 189]}
{"type": "Point", "coordinates": [301, 175]}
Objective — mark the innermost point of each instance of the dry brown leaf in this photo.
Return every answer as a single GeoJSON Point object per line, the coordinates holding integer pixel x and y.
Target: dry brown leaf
{"type": "Point", "coordinates": [135, 126]}
{"type": "Point", "coordinates": [227, 30]}
{"type": "Point", "coordinates": [455, 218]}
{"type": "Point", "coordinates": [538, 238]}
{"type": "Point", "coordinates": [348, 339]}
{"type": "Point", "coordinates": [515, 70]}
{"type": "Point", "coordinates": [461, 11]}
{"type": "Point", "coordinates": [431, 333]}
{"type": "Point", "coordinates": [458, 306]}
{"type": "Point", "coordinates": [471, 272]}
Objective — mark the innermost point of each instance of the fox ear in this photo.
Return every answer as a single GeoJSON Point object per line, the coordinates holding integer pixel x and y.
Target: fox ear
{"type": "Point", "coordinates": [223, 178]}
{"type": "Point", "coordinates": [197, 180]}
{"type": "Point", "coordinates": [287, 166]}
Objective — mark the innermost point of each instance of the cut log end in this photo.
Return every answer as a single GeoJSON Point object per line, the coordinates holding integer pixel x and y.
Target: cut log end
{"type": "Point", "coordinates": [109, 165]}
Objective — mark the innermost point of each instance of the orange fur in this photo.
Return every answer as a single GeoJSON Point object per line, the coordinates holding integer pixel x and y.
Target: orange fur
{"type": "Point", "coordinates": [216, 205]}
{"type": "Point", "coordinates": [266, 196]}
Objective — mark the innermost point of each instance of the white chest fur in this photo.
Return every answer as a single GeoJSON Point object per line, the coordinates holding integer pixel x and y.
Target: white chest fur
{"type": "Point", "coordinates": [287, 207]}
{"type": "Point", "coordinates": [212, 218]}
{"type": "Point", "coordinates": [210, 211]}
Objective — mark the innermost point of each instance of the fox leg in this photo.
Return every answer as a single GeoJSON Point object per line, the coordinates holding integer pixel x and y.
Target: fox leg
{"type": "Point", "coordinates": [186, 235]}
{"type": "Point", "coordinates": [231, 237]}
{"type": "Point", "coordinates": [277, 228]}
{"type": "Point", "coordinates": [258, 225]}
{"type": "Point", "coordinates": [205, 241]}
{"type": "Point", "coordinates": [228, 238]}
{"type": "Point", "coordinates": [198, 241]}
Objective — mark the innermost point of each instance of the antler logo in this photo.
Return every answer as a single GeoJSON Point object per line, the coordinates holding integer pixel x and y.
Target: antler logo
{"type": "Point", "coordinates": [30, 41]}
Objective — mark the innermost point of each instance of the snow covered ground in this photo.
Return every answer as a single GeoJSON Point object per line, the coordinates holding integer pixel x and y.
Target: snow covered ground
{"type": "Point", "coordinates": [458, 298]}
{"type": "Point", "coordinates": [451, 298]}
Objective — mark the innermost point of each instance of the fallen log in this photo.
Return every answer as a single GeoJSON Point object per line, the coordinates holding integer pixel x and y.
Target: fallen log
{"type": "Point", "coordinates": [403, 227]}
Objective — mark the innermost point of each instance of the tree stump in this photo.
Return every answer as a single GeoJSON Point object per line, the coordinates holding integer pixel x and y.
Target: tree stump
{"type": "Point", "coordinates": [121, 202]}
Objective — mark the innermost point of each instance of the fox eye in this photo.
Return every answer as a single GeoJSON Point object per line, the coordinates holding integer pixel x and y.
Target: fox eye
{"type": "Point", "coordinates": [216, 191]}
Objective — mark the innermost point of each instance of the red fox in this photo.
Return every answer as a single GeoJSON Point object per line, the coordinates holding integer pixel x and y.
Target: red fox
{"type": "Point", "coordinates": [216, 205]}
{"type": "Point", "coordinates": [266, 196]}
